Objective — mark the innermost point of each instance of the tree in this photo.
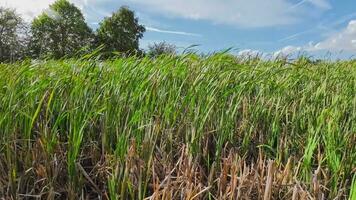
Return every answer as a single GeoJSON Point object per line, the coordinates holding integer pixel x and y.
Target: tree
{"type": "Point", "coordinates": [120, 32]}
{"type": "Point", "coordinates": [161, 48]}
{"type": "Point", "coordinates": [60, 31]}
{"type": "Point", "coordinates": [13, 35]}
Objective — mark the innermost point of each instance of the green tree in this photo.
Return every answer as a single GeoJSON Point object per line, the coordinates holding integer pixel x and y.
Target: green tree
{"type": "Point", "coordinates": [161, 48]}
{"type": "Point", "coordinates": [13, 35]}
{"type": "Point", "coordinates": [60, 31]}
{"type": "Point", "coordinates": [120, 32]}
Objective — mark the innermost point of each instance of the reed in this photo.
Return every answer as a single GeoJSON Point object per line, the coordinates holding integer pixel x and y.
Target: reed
{"type": "Point", "coordinates": [178, 127]}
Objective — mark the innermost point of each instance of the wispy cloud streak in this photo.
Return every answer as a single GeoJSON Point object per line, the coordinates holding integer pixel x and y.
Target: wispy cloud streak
{"type": "Point", "coordinates": [297, 4]}
{"type": "Point", "coordinates": [323, 4]}
{"type": "Point", "coordinates": [295, 36]}
{"type": "Point", "coordinates": [172, 32]}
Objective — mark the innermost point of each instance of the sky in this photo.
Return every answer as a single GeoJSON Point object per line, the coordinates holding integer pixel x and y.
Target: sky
{"type": "Point", "coordinates": [272, 27]}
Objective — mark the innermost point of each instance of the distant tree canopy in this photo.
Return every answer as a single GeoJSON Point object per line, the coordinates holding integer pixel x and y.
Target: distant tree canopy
{"type": "Point", "coordinates": [13, 35]}
{"type": "Point", "coordinates": [120, 32]}
{"type": "Point", "coordinates": [60, 31]}
{"type": "Point", "coordinates": [161, 48]}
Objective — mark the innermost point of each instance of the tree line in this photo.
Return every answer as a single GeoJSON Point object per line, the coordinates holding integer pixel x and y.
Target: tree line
{"type": "Point", "coordinates": [61, 31]}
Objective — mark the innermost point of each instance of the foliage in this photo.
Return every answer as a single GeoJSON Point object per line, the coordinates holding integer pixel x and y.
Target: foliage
{"type": "Point", "coordinates": [60, 31]}
{"type": "Point", "coordinates": [13, 36]}
{"type": "Point", "coordinates": [181, 127]}
{"type": "Point", "coordinates": [120, 32]}
{"type": "Point", "coordinates": [161, 48]}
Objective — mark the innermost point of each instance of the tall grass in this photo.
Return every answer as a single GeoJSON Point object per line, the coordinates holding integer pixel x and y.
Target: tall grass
{"type": "Point", "coordinates": [178, 127]}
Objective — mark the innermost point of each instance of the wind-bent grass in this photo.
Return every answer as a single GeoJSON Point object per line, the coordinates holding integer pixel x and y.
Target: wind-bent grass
{"type": "Point", "coordinates": [178, 127]}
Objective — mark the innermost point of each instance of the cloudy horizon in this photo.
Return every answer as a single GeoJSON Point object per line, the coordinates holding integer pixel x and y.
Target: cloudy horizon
{"type": "Point", "coordinates": [254, 26]}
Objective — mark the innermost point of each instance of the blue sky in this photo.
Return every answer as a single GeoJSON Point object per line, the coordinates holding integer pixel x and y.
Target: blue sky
{"type": "Point", "coordinates": [248, 26]}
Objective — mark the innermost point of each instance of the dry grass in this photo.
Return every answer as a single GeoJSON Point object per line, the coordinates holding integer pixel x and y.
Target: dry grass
{"type": "Point", "coordinates": [178, 128]}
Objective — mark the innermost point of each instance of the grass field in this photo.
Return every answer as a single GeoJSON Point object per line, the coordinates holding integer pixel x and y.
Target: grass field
{"type": "Point", "coordinates": [181, 127]}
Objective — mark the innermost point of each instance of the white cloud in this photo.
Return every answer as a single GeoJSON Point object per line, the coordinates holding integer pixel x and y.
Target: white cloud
{"type": "Point", "coordinates": [344, 40]}
{"type": "Point", "coordinates": [245, 13]}
{"type": "Point", "coordinates": [171, 32]}
{"type": "Point", "coordinates": [52, 14]}
{"type": "Point", "coordinates": [28, 9]}
{"type": "Point", "coordinates": [32, 8]}
{"type": "Point", "coordinates": [288, 51]}
{"type": "Point", "coordinates": [249, 53]}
